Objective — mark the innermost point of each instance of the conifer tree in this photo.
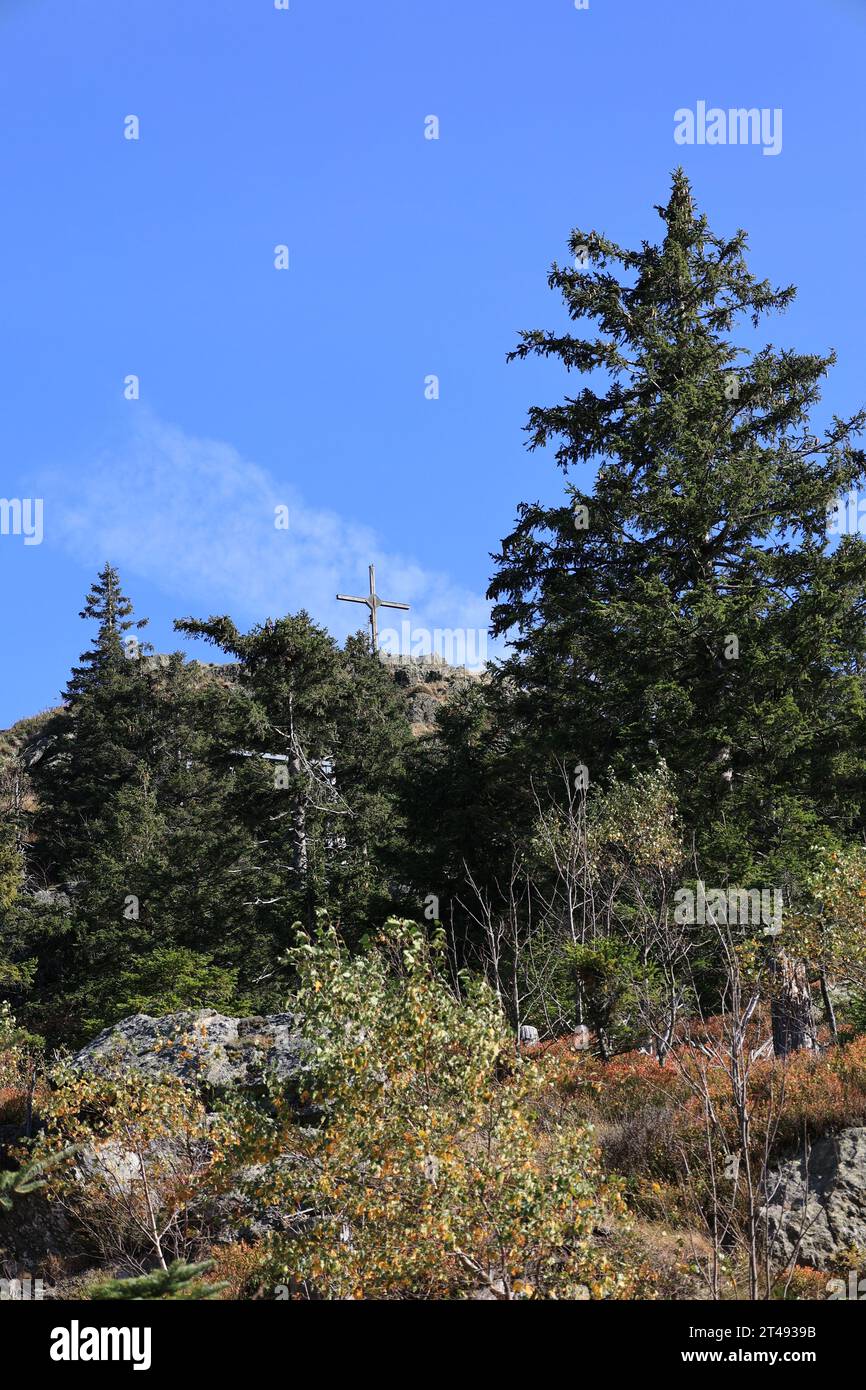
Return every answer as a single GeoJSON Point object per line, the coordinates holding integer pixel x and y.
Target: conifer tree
{"type": "Point", "coordinates": [322, 739]}
{"type": "Point", "coordinates": [374, 742]}
{"type": "Point", "coordinates": [688, 604]}
{"type": "Point", "coordinates": [108, 606]}
{"type": "Point", "coordinates": [178, 1281]}
{"type": "Point", "coordinates": [137, 835]}
{"type": "Point", "coordinates": [11, 862]}
{"type": "Point", "coordinates": [94, 743]}
{"type": "Point", "coordinates": [30, 1177]}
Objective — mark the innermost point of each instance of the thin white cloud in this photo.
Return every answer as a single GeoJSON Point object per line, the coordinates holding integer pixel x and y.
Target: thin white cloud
{"type": "Point", "coordinates": [195, 518]}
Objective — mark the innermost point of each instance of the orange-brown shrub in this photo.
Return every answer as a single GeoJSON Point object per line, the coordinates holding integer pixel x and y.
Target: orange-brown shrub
{"type": "Point", "coordinates": [650, 1117]}
{"type": "Point", "coordinates": [13, 1105]}
{"type": "Point", "coordinates": [804, 1283]}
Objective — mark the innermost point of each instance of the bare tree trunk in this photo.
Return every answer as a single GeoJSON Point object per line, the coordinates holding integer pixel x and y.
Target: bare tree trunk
{"type": "Point", "coordinates": [828, 1005]}
{"type": "Point", "coordinates": [791, 1005]}
{"type": "Point", "coordinates": [299, 795]}
{"type": "Point", "coordinates": [153, 1230]}
{"type": "Point", "coordinates": [299, 815]}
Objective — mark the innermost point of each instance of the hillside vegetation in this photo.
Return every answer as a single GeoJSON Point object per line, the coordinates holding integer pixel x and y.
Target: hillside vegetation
{"type": "Point", "coordinates": [576, 950]}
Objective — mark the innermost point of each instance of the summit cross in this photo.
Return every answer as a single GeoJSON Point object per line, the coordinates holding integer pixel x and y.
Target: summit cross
{"type": "Point", "coordinates": [374, 603]}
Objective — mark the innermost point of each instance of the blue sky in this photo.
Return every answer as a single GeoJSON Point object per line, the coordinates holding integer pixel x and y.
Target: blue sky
{"type": "Point", "coordinates": [408, 257]}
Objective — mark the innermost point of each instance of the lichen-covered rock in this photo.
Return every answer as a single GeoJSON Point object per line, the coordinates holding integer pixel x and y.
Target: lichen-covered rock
{"type": "Point", "coordinates": [816, 1210]}
{"type": "Point", "coordinates": [202, 1048]}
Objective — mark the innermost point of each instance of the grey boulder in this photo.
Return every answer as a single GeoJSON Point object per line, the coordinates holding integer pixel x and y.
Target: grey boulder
{"type": "Point", "coordinates": [201, 1048]}
{"type": "Point", "coordinates": [817, 1207]}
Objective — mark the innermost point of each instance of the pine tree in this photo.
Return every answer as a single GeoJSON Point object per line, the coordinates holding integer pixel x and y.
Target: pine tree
{"type": "Point", "coordinates": [11, 864]}
{"type": "Point", "coordinates": [288, 670]}
{"type": "Point", "coordinates": [16, 966]}
{"type": "Point", "coordinates": [89, 752]}
{"type": "Point", "coordinates": [468, 800]}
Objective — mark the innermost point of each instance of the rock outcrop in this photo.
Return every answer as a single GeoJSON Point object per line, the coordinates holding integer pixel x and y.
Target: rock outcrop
{"type": "Point", "coordinates": [427, 683]}
{"type": "Point", "coordinates": [202, 1048]}
{"type": "Point", "coordinates": [817, 1208]}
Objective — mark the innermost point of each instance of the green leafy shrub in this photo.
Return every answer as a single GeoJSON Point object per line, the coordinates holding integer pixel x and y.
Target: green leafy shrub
{"type": "Point", "coordinates": [425, 1177]}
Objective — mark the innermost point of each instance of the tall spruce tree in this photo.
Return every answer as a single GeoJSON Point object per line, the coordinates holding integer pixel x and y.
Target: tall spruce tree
{"type": "Point", "coordinates": [137, 836]}
{"type": "Point", "coordinates": [109, 607]}
{"type": "Point", "coordinates": [689, 604]}
{"type": "Point", "coordinates": [164, 901]}
{"type": "Point", "coordinates": [93, 745]}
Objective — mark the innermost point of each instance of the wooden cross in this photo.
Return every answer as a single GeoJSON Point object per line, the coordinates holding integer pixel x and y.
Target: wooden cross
{"type": "Point", "coordinates": [373, 603]}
